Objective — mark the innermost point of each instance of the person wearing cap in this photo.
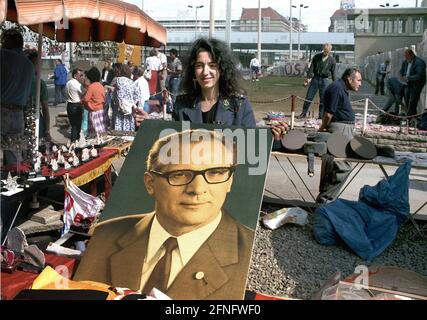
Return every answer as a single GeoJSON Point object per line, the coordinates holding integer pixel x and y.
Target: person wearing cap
{"type": "Point", "coordinates": [339, 117]}
{"type": "Point", "coordinates": [380, 78]}
{"type": "Point", "coordinates": [189, 247]}
{"type": "Point", "coordinates": [17, 76]}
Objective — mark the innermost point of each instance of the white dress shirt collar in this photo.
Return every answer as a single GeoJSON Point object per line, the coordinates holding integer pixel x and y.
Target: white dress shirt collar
{"type": "Point", "coordinates": [188, 243]}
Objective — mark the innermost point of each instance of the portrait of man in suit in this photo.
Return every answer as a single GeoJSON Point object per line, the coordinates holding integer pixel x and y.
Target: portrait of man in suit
{"type": "Point", "coordinates": [189, 247]}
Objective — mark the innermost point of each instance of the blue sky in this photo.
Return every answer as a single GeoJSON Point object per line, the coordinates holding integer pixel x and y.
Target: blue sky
{"type": "Point", "coordinates": [317, 16]}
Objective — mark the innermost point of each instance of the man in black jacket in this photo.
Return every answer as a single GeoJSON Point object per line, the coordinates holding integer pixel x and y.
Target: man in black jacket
{"type": "Point", "coordinates": [322, 67]}
{"type": "Point", "coordinates": [107, 74]}
{"type": "Point", "coordinates": [413, 72]}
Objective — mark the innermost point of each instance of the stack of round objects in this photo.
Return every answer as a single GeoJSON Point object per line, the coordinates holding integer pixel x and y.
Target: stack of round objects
{"type": "Point", "coordinates": [294, 140]}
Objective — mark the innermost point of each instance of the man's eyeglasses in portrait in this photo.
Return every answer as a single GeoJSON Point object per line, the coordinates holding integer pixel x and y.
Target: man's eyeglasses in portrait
{"type": "Point", "coordinates": [183, 177]}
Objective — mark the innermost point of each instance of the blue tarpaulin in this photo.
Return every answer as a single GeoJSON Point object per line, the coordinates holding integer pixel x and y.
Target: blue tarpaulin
{"type": "Point", "coordinates": [369, 225]}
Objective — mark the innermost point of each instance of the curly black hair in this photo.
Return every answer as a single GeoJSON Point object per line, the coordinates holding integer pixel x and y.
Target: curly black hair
{"type": "Point", "coordinates": [221, 54]}
{"type": "Point", "coordinates": [93, 75]}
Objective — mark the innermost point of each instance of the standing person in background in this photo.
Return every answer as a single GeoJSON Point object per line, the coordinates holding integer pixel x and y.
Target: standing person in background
{"type": "Point", "coordinates": [125, 97]}
{"type": "Point", "coordinates": [153, 64]}
{"type": "Point", "coordinates": [413, 73]}
{"type": "Point", "coordinates": [381, 74]}
{"type": "Point", "coordinates": [17, 76]}
{"type": "Point", "coordinates": [107, 73]}
{"type": "Point", "coordinates": [322, 67]}
{"type": "Point", "coordinates": [60, 80]}
{"type": "Point", "coordinates": [74, 91]}
{"type": "Point", "coordinates": [44, 120]}
{"type": "Point", "coordinates": [174, 71]}
{"type": "Point", "coordinates": [163, 69]}
{"type": "Point", "coordinates": [94, 100]}
{"type": "Point", "coordinates": [254, 65]}
{"type": "Point", "coordinates": [131, 68]}
{"type": "Point", "coordinates": [141, 86]}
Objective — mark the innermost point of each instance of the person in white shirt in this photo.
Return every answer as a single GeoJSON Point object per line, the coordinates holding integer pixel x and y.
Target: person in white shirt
{"type": "Point", "coordinates": [163, 69]}
{"type": "Point", "coordinates": [153, 64]}
{"type": "Point", "coordinates": [254, 66]}
{"type": "Point", "coordinates": [74, 91]}
{"type": "Point", "coordinates": [189, 247]}
{"type": "Point", "coordinates": [142, 87]}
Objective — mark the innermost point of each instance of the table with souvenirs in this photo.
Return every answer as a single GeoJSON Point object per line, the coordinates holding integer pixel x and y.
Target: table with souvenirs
{"type": "Point", "coordinates": [82, 163]}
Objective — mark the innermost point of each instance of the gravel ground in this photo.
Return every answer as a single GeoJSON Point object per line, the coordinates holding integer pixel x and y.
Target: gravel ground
{"type": "Point", "coordinates": [289, 262]}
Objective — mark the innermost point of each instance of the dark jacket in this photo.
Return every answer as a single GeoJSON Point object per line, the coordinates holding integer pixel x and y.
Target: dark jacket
{"type": "Point", "coordinates": [395, 86]}
{"type": "Point", "coordinates": [110, 76]}
{"type": "Point", "coordinates": [235, 111]}
{"type": "Point", "coordinates": [322, 69]}
{"type": "Point", "coordinates": [417, 73]}
{"type": "Point", "coordinates": [117, 249]}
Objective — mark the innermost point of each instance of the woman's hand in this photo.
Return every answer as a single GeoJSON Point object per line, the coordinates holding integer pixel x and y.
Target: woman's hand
{"type": "Point", "coordinates": [139, 115]}
{"type": "Point", "coordinates": [279, 130]}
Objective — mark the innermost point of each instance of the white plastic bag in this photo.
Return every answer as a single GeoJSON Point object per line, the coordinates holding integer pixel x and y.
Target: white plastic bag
{"type": "Point", "coordinates": [79, 205]}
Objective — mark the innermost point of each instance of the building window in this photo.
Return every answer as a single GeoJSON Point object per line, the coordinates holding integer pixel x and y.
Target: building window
{"type": "Point", "coordinates": [370, 26]}
{"type": "Point", "coordinates": [418, 26]}
{"type": "Point", "coordinates": [388, 26]}
{"type": "Point", "coordinates": [380, 26]}
{"type": "Point", "coordinates": [401, 26]}
{"type": "Point", "coordinates": [350, 26]}
{"type": "Point", "coordinates": [266, 24]}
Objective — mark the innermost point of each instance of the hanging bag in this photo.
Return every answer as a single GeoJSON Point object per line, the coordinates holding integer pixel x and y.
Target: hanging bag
{"type": "Point", "coordinates": [79, 206]}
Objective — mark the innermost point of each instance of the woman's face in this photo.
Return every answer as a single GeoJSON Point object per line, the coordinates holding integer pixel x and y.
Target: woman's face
{"type": "Point", "coordinates": [206, 71]}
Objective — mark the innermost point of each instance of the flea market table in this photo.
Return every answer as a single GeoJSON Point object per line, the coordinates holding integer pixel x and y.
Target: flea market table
{"type": "Point", "coordinates": [86, 173]}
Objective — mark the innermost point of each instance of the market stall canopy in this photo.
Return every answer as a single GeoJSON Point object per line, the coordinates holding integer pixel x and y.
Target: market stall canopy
{"type": "Point", "coordinates": [86, 20]}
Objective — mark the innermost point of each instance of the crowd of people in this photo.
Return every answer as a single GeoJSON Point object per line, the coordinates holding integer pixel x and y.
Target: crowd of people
{"type": "Point", "coordinates": [405, 90]}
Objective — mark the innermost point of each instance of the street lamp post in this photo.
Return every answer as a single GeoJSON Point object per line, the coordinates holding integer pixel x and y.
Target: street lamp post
{"type": "Point", "coordinates": [290, 30]}
{"type": "Point", "coordinates": [301, 6]}
{"type": "Point", "coordinates": [195, 22]}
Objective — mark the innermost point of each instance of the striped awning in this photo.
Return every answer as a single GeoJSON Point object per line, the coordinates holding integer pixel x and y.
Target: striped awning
{"type": "Point", "coordinates": [86, 20]}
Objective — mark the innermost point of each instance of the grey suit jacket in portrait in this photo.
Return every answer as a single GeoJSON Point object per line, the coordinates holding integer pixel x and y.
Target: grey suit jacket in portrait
{"type": "Point", "coordinates": [116, 252]}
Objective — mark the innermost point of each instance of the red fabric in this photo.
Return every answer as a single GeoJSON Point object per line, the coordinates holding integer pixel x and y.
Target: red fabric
{"type": "Point", "coordinates": [261, 296]}
{"type": "Point", "coordinates": [12, 284]}
{"type": "Point", "coordinates": [152, 83]}
{"type": "Point", "coordinates": [73, 173]}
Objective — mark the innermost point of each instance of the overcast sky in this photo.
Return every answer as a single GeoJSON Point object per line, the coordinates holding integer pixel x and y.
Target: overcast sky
{"type": "Point", "coordinates": [317, 16]}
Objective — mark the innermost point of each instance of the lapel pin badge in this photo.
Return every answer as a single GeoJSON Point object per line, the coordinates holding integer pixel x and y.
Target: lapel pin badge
{"type": "Point", "coordinates": [199, 275]}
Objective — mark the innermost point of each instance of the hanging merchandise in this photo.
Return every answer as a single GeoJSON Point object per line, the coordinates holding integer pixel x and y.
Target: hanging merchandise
{"type": "Point", "coordinates": [79, 206]}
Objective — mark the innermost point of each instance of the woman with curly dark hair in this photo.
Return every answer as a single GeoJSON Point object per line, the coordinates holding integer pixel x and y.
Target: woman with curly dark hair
{"type": "Point", "coordinates": [94, 100]}
{"type": "Point", "coordinates": [212, 91]}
